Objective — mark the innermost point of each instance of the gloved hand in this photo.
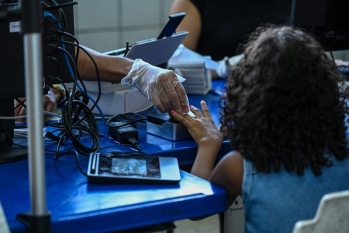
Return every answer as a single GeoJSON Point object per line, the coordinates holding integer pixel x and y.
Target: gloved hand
{"type": "Point", "coordinates": [161, 86]}
{"type": "Point", "coordinates": [226, 64]}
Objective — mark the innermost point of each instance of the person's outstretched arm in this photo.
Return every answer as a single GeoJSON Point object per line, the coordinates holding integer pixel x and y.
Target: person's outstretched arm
{"type": "Point", "coordinates": [206, 135]}
{"type": "Point", "coordinates": [161, 86]}
{"type": "Point", "coordinates": [111, 68]}
{"type": "Point", "coordinates": [228, 172]}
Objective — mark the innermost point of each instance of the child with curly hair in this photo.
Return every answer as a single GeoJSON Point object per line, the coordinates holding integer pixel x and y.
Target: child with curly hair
{"type": "Point", "coordinates": [284, 113]}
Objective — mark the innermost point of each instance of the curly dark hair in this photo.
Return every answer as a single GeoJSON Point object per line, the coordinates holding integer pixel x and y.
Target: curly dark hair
{"type": "Point", "coordinates": [285, 103]}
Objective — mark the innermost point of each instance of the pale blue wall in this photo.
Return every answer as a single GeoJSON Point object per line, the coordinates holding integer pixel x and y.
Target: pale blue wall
{"type": "Point", "coordinates": [106, 25]}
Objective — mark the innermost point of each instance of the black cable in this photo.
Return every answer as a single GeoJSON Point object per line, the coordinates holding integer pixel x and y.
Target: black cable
{"type": "Point", "coordinates": [71, 60]}
{"type": "Point", "coordinates": [74, 92]}
{"type": "Point", "coordinates": [91, 128]}
{"type": "Point", "coordinates": [76, 44]}
{"type": "Point", "coordinates": [56, 62]}
{"type": "Point", "coordinates": [331, 53]}
{"type": "Point", "coordinates": [96, 69]}
{"type": "Point", "coordinates": [20, 103]}
{"type": "Point", "coordinates": [78, 164]}
{"type": "Point", "coordinates": [77, 159]}
{"type": "Point", "coordinates": [134, 143]}
{"type": "Point", "coordinates": [59, 7]}
{"type": "Point", "coordinates": [71, 118]}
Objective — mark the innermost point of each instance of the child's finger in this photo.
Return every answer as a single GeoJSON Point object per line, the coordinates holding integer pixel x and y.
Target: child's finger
{"type": "Point", "coordinates": [205, 110]}
{"type": "Point", "coordinates": [181, 119]}
{"type": "Point", "coordinates": [196, 111]}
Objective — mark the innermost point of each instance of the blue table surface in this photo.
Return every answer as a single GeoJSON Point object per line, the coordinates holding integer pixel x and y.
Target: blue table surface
{"type": "Point", "coordinates": [77, 206]}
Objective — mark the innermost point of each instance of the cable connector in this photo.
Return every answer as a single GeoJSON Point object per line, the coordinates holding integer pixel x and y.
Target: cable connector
{"type": "Point", "coordinates": [51, 136]}
{"type": "Point", "coordinates": [134, 142]}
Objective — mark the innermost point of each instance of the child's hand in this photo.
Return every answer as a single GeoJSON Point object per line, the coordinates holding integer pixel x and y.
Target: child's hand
{"type": "Point", "coordinates": [202, 128]}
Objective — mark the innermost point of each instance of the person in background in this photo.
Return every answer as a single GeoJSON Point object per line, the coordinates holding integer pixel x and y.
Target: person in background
{"type": "Point", "coordinates": [284, 113]}
{"type": "Point", "coordinates": [217, 28]}
{"type": "Point", "coordinates": [161, 86]}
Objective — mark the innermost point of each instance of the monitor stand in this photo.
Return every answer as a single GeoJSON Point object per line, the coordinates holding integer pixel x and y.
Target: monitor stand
{"type": "Point", "coordinates": [9, 153]}
{"type": "Point", "coordinates": [12, 154]}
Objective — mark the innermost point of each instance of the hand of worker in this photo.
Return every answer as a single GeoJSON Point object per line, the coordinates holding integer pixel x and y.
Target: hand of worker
{"type": "Point", "coordinates": [225, 65]}
{"type": "Point", "coordinates": [161, 86]}
{"type": "Point", "coordinates": [49, 102]}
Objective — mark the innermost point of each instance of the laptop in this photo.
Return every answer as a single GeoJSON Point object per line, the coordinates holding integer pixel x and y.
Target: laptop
{"type": "Point", "coordinates": [109, 168]}
{"type": "Point", "coordinates": [156, 51]}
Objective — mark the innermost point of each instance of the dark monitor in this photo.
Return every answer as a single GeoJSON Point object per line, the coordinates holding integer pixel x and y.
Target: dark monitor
{"type": "Point", "coordinates": [11, 47]}
{"type": "Point", "coordinates": [326, 20]}
{"type": "Point", "coordinates": [12, 83]}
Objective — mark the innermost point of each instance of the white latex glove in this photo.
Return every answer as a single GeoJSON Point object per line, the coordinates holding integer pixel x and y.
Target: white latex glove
{"type": "Point", "coordinates": [225, 65]}
{"type": "Point", "coordinates": [161, 86]}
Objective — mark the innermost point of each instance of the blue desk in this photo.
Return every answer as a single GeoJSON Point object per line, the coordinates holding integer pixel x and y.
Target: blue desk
{"type": "Point", "coordinates": [77, 206]}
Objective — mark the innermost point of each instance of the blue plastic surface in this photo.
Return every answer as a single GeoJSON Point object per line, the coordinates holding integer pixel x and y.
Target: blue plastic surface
{"type": "Point", "coordinates": [77, 206]}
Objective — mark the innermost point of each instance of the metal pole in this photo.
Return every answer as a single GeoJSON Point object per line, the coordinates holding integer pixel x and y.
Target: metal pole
{"type": "Point", "coordinates": [35, 121]}
{"type": "Point", "coordinates": [31, 28]}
